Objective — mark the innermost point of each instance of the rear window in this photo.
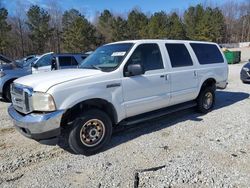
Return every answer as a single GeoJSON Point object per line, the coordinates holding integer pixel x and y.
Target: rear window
{"type": "Point", "coordinates": [207, 53]}
{"type": "Point", "coordinates": [179, 55]}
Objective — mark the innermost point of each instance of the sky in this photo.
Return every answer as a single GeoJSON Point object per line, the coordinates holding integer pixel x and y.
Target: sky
{"type": "Point", "coordinates": [90, 7]}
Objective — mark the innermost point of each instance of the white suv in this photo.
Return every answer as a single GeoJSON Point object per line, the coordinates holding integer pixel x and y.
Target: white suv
{"type": "Point", "coordinates": [120, 83]}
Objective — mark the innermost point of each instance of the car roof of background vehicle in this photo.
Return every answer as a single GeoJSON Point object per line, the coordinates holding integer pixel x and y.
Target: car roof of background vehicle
{"type": "Point", "coordinates": [68, 54]}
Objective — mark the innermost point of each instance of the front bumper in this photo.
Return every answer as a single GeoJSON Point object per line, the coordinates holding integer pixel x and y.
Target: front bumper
{"type": "Point", "coordinates": [37, 126]}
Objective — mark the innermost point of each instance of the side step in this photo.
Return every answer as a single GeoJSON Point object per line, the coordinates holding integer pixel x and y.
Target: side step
{"type": "Point", "coordinates": [157, 113]}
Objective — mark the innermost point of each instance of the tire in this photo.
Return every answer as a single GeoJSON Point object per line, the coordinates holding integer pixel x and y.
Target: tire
{"type": "Point", "coordinates": [90, 132]}
{"type": "Point", "coordinates": [206, 99]}
{"type": "Point", "coordinates": [6, 93]}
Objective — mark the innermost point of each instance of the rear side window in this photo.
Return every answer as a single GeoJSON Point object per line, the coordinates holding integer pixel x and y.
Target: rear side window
{"type": "Point", "coordinates": [148, 55]}
{"type": "Point", "coordinates": [179, 55]}
{"type": "Point", "coordinates": [207, 53]}
{"type": "Point", "coordinates": [67, 61]}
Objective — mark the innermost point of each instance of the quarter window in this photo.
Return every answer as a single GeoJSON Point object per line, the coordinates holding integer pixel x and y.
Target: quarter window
{"type": "Point", "coordinates": [207, 53]}
{"type": "Point", "coordinates": [148, 56]}
{"type": "Point", "coordinates": [179, 55]}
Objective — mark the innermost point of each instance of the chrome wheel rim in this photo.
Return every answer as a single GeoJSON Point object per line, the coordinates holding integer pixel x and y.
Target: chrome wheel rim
{"type": "Point", "coordinates": [208, 100]}
{"type": "Point", "coordinates": [92, 132]}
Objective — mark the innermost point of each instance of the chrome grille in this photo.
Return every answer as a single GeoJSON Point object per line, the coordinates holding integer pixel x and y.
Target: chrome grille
{"type": "Point", "coordinates": [21, 98]}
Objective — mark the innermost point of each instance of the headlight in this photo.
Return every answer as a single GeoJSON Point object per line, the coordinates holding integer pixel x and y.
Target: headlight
{"type": "Point", "coordinates": [43, 102]}
{"type": "Point", "coordinates": [245, 69]}
{"type": "Point", "coordinates": [2, 74]}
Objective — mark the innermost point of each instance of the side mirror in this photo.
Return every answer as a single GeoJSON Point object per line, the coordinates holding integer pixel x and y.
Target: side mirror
{"type": "Point", "coordinates": [134, 70]}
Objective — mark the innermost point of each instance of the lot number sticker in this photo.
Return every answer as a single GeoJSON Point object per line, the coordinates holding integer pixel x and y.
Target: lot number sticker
{"type": "Point", "coordinates": [118, 54]}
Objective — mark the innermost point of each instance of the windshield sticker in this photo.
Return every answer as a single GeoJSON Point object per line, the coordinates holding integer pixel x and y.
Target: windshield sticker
{"type": "Point", "coordinates": [118, 54]}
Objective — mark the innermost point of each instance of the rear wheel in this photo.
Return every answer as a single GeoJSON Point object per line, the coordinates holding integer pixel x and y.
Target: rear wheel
{"type": "Point", "coordinates": [6, 93]}
{"type": "Point", "coordinates": [90, 133]}
{"type": "Point", "coordinates": [206, 99]}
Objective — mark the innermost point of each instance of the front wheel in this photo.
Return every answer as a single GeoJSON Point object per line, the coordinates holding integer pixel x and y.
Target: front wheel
{"type": "Point", "coordinates": [90, 133]}
{"type": "Point", "coordinates": [206, 99]}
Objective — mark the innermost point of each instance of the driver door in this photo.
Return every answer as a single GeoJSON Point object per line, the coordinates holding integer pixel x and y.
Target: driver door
{"type": "Point", "coordinates": [151, 90]}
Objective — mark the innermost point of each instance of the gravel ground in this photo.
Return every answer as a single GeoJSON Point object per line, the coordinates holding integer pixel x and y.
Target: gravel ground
{"type": "Point", "coordinates": [184, 149]}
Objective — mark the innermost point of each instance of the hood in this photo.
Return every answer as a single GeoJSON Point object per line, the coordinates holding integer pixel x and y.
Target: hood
{"type": "Point", "coordinates": [9, 66]}
{"type": "Point", "coordinates": [247, 65]}
{"type": "Point", "coordinates": [43, 81]}
{"type": "Point", "coordinates": [6, 67]}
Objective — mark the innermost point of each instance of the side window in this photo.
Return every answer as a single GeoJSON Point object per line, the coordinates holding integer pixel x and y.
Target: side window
{"type": "Point", "coordinates": [207, 53]}
{"type": "Point", "coordinates": [64, 61]}
{"type": "Point", "coordinates": [148, 55]}
{"type": "Point", "coordinates": [179, 55]}
{"type": "Point", "coordinates": [44, 61]}
{"type": "Point", "coordinates": [84, 57]}
{"type": "Point", "coordinates": [73, 61]}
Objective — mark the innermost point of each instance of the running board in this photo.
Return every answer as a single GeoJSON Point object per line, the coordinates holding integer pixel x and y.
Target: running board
{"type": "Point", "coordinates": [157, 113]}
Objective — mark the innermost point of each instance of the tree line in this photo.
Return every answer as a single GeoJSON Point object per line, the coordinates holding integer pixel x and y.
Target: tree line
{"type": "Point", "coordinates": [41, 30]}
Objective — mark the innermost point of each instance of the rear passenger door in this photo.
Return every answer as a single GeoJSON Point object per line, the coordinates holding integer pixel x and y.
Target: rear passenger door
{"type": "Point", "coordinates": [183, 74]}
{"type": "Point", "coordinates": [151, 90]}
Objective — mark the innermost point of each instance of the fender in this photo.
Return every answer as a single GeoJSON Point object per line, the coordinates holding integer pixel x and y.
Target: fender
{"type": "Point", "coordinates": [112, 95]}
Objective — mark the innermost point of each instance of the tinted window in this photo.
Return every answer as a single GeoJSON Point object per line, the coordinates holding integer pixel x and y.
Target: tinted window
{"type": "Point", "coordinates": [44, 61]}
{"type": "Point", "coordinates": [148, 55]}
{"type": "Point", "coordinates": [207, 53]}
{"type": "Point", "coordinates": [65, 61]}
{"type": "Point", "coordinates": [73, 61]}
{"type": "Point", "coordinates": [83, 57]}
{"type": "Point", "coordinates": [179, 55]}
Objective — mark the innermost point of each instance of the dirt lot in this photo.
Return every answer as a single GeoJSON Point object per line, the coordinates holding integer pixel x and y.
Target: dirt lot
{"type": "Point", "coordinates": [184, 149]}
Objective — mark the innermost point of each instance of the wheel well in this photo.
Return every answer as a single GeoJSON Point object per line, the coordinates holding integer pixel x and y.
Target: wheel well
{"type": "Point", "coordinates": [72, 113]}
{"type": "Point", "coordinates": [209, 82]}
{"type": "Point", "coordinates": [7, 83]}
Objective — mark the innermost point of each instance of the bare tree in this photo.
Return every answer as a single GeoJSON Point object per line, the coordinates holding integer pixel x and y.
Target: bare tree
{"type": "Point", "coordinates": [55, 13]}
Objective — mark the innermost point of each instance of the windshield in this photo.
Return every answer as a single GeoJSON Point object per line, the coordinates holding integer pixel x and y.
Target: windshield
{"type": "Point", "coordinates": [106, 58]}
{"type": "Point", "coordinates": [29, 61]}
{"type": "Point", "coordinates": [23, 63]}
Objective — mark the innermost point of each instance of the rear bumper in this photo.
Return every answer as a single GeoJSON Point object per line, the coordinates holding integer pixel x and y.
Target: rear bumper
{"type": "Point", "coordinates": [221, 85]}
{"type": "Point", "coordinates": [37, 126]}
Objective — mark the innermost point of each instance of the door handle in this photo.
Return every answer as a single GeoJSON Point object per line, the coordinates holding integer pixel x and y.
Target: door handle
{"type": "Point", "coordinates": [164, 76]}
{"type": "Point", "coordinates": [195, 73]}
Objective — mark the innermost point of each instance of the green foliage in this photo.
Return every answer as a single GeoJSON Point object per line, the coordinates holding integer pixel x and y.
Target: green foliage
{"type": "Point", "coordinates": [105, 25]}
{"type": "Point", "coordinates": [4, 29]}
{"type": "Point", "coordinates": [158, 26]}
{"type": "Point", "coordinates": [38, 23]}
{"type": "Point", "coordinates": [137, 24]}
{"type": "Point", "coordinates": [78, 33]}
{"type": "Point", "coordinates": [119, 29]}
{"type": "Point", "coordinates": [204, 24]}
{"type": "Point", "coordinates": [175, 27]}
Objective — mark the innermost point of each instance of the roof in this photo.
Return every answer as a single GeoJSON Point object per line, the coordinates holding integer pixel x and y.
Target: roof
{"type": "Point", "coordinates": [161, 40]}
